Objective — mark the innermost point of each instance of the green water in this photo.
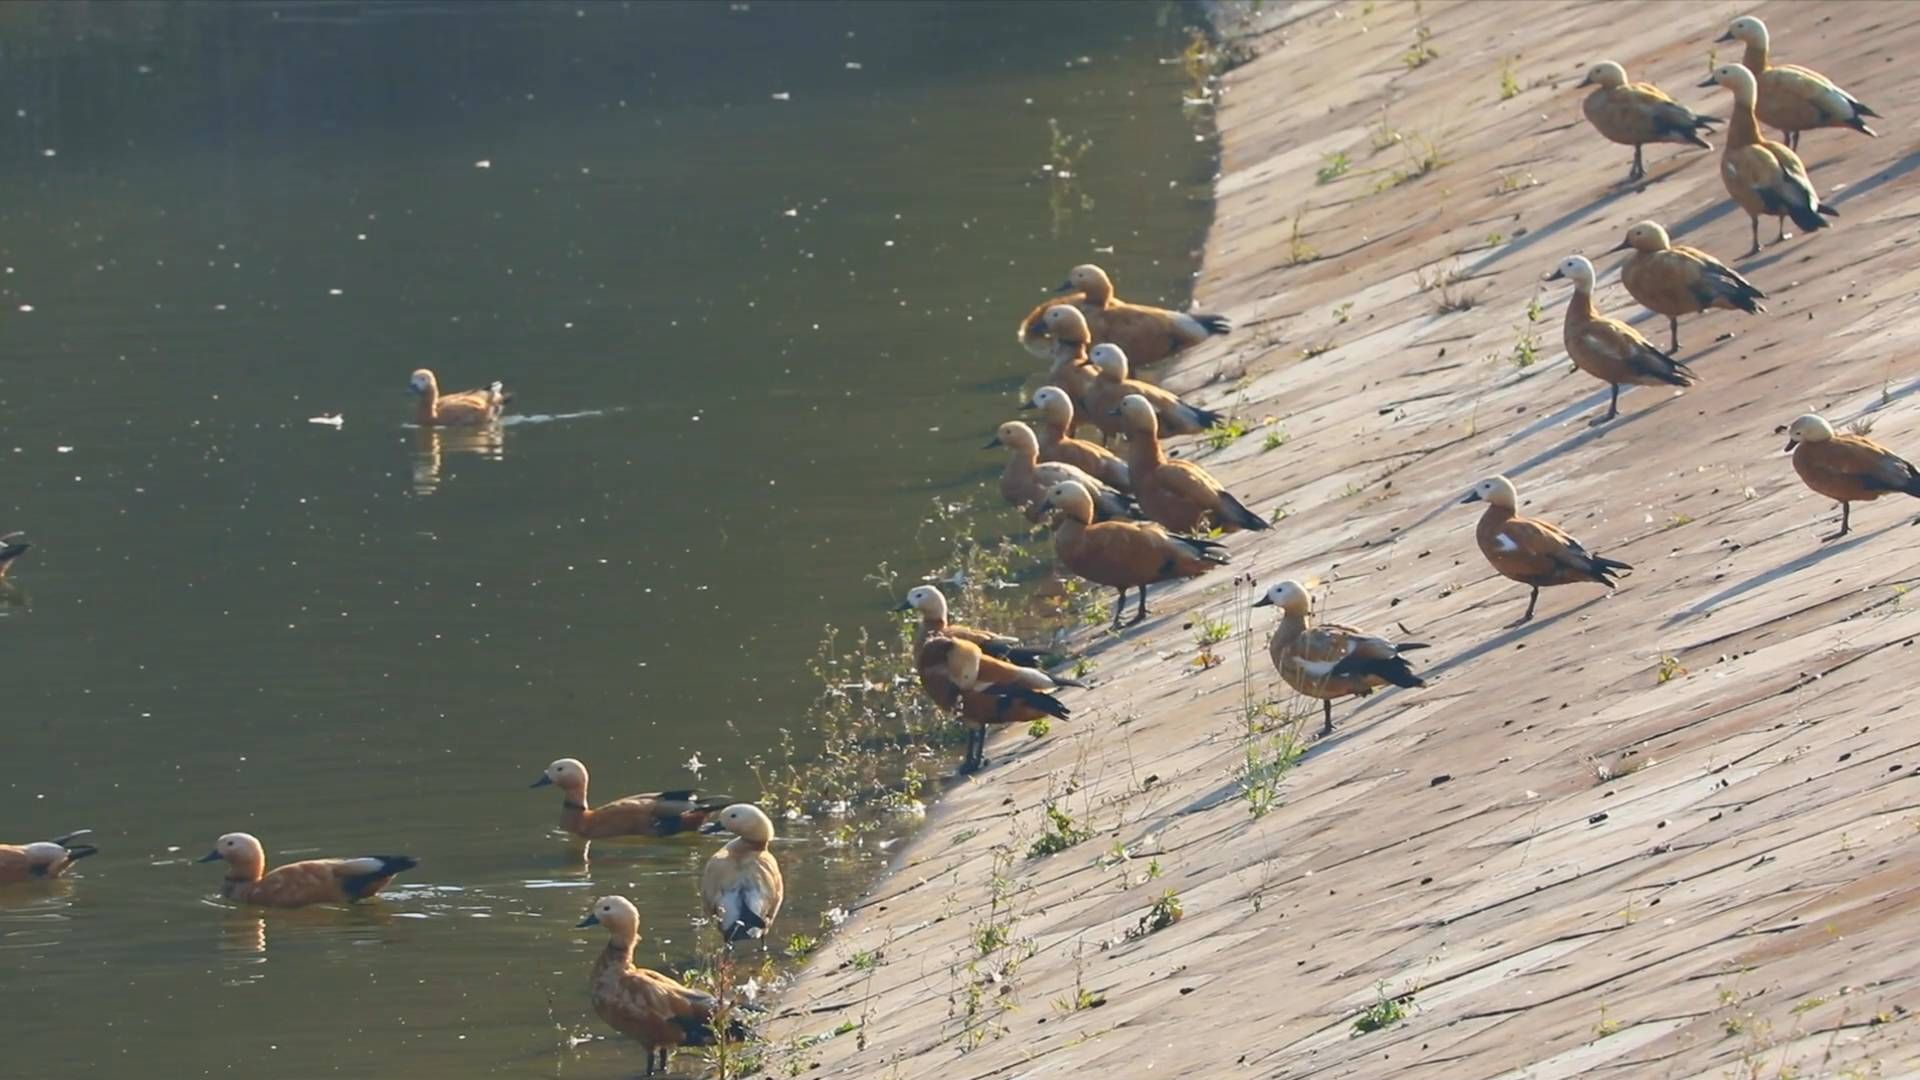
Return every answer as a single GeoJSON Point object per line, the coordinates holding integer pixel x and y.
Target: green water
{"type": "Point", "coordinates": [753, 340]}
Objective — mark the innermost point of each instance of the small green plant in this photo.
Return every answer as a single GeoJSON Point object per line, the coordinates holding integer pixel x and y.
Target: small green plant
{"type": "Point", "coordinates": [1526, 348]}
{"type": "Point", "coordinates": [1267, 762]}
{"type": "Point", "coordinates": [1509, 82]}
{"type": "Point", "coordinates": [1211, 631]}
{"type": "Point", "coordinates": [1061, 834]}
{"type": "Point", "coordinates": [1351, 490]}
{"type": "Point", "coordinates": [1275, 439]}
{"type": "Point", "coordinates": [1344, 313]}
{"type": "Point", "coordinates": [1495, 239]}
{"type": "Point", "coordinates": [1420, 157]}
{"type": "Point", "coordinates": [1299, 252]}
{"type": "Point", "coordinates": [1668, 670]}
{"type": "Point", "coordinates": [1221, 436]}
{"type": "Point", "coordinates": [1332, 167]}
{"type": "Point", "coordinates": [1677, 520]}
{"type": "Point", "coordinates": [1533, 308]}
{"type": "Point", "coordinates": [1515, 181]}
{"type": "Point", "coordinates": [1607, 1025]}
{"type": "Point", "coordinates": [865, 960]}
{"type": "Point", "coordinates": [1311, 350]}
{"type": "Point", "coordinates": [1383, 134]}
{"type": "Point", "coordinates": [1422, 53]}
{"type": "Point", "coordinates": [992, 937]}
{"type": "Point", "coordinates": [801, 946]}
{"type": "Point", "coordinates": [1040, 728]}
{"type": "Point", "coordinates": [1082, 1000]}
{"type": "Point", "coordinates": [1161, 914]}
{"type": "Point", "coordinates": [1385, 1012]}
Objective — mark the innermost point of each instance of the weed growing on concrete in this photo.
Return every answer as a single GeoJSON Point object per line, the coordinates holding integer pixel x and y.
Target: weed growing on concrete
{"type": "Point", "coordinates": [1668, 670]}
{"type": "Point", "coordinates": [1221, 436]}
{"type": "Point", "coordinates": [1422, 52]}
{"type": "Point", "coordinates": [1332, 167]}
{"type": "Point", "coordinates": [1061, 833]}
{"type": "Point", "coordinates": [1386, 1011]}
{"type": "Point", "coordinates": [1509, 82]}
{"type": "Point", "coordinates": [1275, 439]}
{"type": "Point", "coordinates": [1267, 763]}
{"type": "Point", "coordinates": [1299, 252]}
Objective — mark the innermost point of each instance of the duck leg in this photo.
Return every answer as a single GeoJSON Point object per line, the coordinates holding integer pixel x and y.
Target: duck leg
{"type": "Point", "coordinates": [1673, 333]}
{"type": "Point", "coordinates": [1755, 249]}
{"type": "Point", "coordinates": [1784, 234]}
{"type": "Point", "coordinates": [1326, 707]}
{"type": "Point", "coordinates": [1531, 601]}
{"type": "Point", "coordinates": [1120, 606]}
{"type": "Point", "coordinates": [1613, 408]}
{"type": "Point", "coordinates": [1846, 523]}
{"type": "Point", "coordinates": [1140, 616]}
{"type": "Point", "coordinates": [1639, 170]}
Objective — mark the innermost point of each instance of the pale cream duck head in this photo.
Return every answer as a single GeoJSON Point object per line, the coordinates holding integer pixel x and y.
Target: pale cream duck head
{"type": "Point", "coordinates": [1054, 405]}
{"type": "Point", "coordinates": [568, 774]}
{"type": "Point", "coordinates": [1645, 236]}
{"type": "Point", "coordinates": [926, 600]}
{"type": "Point", "coordinates": [1605, 74]}
{"type": "Point", "coordinates": [1015, 436]}
{"type": "Point", "coordinates": [1735, 77]}
{"type": "Point", "coordinates": [242, 851]}
{"type": "Point", "coordinates": [1071, 498]}
{"type": "Point", "coordinates": [748, 822]}
{"type": "Point", "coordinates": [1136, 414]}
{"type": "Point", "coordinates": [1748, 31]}
{"type": "Point", "coordinates": [1577, 269]}
{"type": "Point", "coordinates": [616, 913]}
{"type": "Point", "coordinates": [1810, 428]}
{"type": "Point", "coordinates": [1111, 359]}
{"type": "Point", "coordinates": [1497, 490]}
{"type": "Point", "coordinates": [424, 384]}
{"type": "Point", "coordinates": [1063, 322]}
{"type": "Point", "coordinates": [1089, 279]}
{"type": "Point", "coordinates": [1289, 596]}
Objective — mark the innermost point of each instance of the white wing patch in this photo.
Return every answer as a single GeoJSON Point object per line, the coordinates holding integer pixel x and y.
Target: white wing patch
{"type": "Point", "coordinates": [1504, 542]}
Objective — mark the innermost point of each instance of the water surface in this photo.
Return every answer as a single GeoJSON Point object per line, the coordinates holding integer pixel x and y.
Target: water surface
{"type": "Point", "coordinates": [752, 270]}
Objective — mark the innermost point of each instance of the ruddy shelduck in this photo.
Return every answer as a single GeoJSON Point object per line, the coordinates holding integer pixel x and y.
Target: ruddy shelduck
{"type": "Point", "coordinates": [931, 605]}
{"type": "Point", "coordinates": [1766, 178]}
{"type": "Point", "coordinates": [1634, 114]}
{"type": "Point", "coordinates": [1025, 480]}
{"type": "Point", "coordinates": [12, 546]}
{"type": "Point", "coordinates": [1148, 334]}
{"type": "Point", "coordinates": [655, 813]}
{"type": "Point", "coordinates": [1608, 349]}
{"type": "Point", "coordinates": [1847, 468]}
{"type": "Point", "coordinates": [1792, 98]}
{"type": "Point", "coordinates": [1177, 417]}
{"type": "Point", "coordinates": [464, 409]}
{"type": "Point", "coordinates": [661, 1012]}
{"type": "Point", "coordinates": [741, 885]}
{"type": "Point", "coordinates": [1178, 494]}
{"type": "Point", "coordinates": [1328, 660]}
{"type": "Point", "coordinates": [1058, 444]}
{"type": "Point", "coordinates": [1674, 280]}
{"type": "Point", "coordinates": [298, 884]}
{"type": "Point", "coordinates": [43, 860]}
{"type": "Point", "coordinates": [1532, 552]}
{"type": "Point", "coordinates": [986, 691]}
{"type": "Point", "coordinates": [1124, 554]}
{"type": "Point", "coordinates": [1072, 369]}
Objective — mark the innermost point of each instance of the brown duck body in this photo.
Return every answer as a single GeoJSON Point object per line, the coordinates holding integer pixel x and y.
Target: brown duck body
{"type": "Point", "coordinates": [1796, 99]}
{"type": "Point", "coordinates": [468, 408]}
{"type": "Point", "coordinates": [1537, 553]}
{"type": "Point", "coordinates": [1679, 280]}
{"type": "Point", "coordinates": [656, 813]}
{"type": "Point", "coordinates": [1328, 660]}
{"type": "Point", "coordinates": [1639, 113]}
{"type": "Point", "coordinates": [1766, 178]}
{"type": "Point", "coordinates": [742, 887]}
{"type": "Point", "coordinates": [314, 881]}
{"type": "Point", "coordinates": [1179, 494]}
{"type": "Point", "coordinates": [41, 861]}
{"type": "Point", "coordinates": [1148, 334]}
{"type": "Point", "coordinates": [1850, 469]}
{"type": "Point", "coordinates": [1615, 353]}
{"type": "Point", "coordinates": [1058, 444]}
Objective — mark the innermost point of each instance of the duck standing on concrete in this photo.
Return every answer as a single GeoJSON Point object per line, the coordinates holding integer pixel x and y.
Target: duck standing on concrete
{"type": "Point", "coordinates": [1764, 177]}
{"type": "Point", "coordinates": [1847, 468]}
{"type": "Point", "coordinates": [1025, 480]}
{"type": "Point", "coordinates": [1793, 98]}
{"type": "Point", "coordinates": [43, 860]}
{"type": "Point", "coordinates": [1113, 385]}
{"type": "Point", "coordinates": [1148, 334]}
{"type": "Point", "coordinates": [1533, 552]}
{"type": "Point", "coordinates": [1124, 554]}
{"type": "Point", "coordinates": [1608, 349]}
{"type": "Point", "coordinates": [985, 691]}
{"type": "Point", "coordinates": [741, 885]}
{"type": "Point", "coordinates": [1327, 660]}
{"type": "Point", "coordinates": [1058, 444]}
{"type": "Point", "coordinates": [1072, 369]}
{"type": "Point", "coordinates": [298, 884]}
{"type": "Point", "coordinates": [1178, 494]}
{"type": "Point", "coordinates": [1634, 114]}
{"type": "Point", "coordinates": [931, 605]}
{"type": "Point", "coordinates": [468, 408]}
{"type": "Point", "coordinates": [656, 813]}
{"type": "Point", "coordinates": [663, 1013]}
{"type": "Point", "coordinates": [1675, 280]}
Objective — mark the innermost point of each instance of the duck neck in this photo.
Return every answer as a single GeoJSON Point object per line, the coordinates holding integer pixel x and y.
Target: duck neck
{"type": "Point", "coordinates": [1057, 428]}
{"type": "Point", "coordinates": [1292, 625]}
{"type": "Point", "coordinates": [1144, 453]}
{"type": "Point", "coordinates": [1755, 59]}
{"type": "Point", "coordinates": [930, 625]}
{"type": "Point", "coordinates": [746, 844]}
{"type": "Point", "coordinates": [1099, 293]}
{"type": "Point", "coordinates": [619, 952]}
{"type": "Point", "coordinates": [1580, 305]}
{"type": "Point", "coordinates": [1494, 517]}
{"type": "Point", "coordinates": [1743, 128]}
{"type": "Point", "coordinates": [1068, 530]}
{"type": "Point", "coordinates": [425, 408]}
{"type": "Point", "coordinates": [573, 807]}
{"type": "Point", "coordinates": [247, 872]}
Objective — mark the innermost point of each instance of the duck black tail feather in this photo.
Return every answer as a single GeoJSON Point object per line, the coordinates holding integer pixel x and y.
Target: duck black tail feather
{"type": "Point", "coordinates": [13, 549]}
{"type": "Point", "coordinates": [1238, 513]}
{"type": "Point", "coordinates": [742, 929]}
{"type": "Point", "coordinates": [1214, 324]}
{"type": "Point", "coordinates": [1604, 570]}
{"type": "Point", "coordinates": [711, 803]}
{"type": "Point", "coordinates": [1037, 699]}
{"type": "Point", "coordinates": [1394, 669]}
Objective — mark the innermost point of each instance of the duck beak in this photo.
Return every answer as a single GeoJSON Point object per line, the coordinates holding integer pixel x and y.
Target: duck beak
{"type": "Point", "coordinates": [711, 828]}
{"type": "Point", "coordinates": [1556, 275]}
{"type": "Point", "coordinates": [1710, 82]}
{"type": "Point", "coordinates": [542, 782]}
{"type": "Point", "coordinates": [1588, 81]}
{"type": "Point", "coordinates": [1791, 443]}
{"type": "Point", "coordinates": [1472, 497]}
{"type": "Point", "coordinates": [1264, 601]}
{"type": "Point", "coordinates": [1065, 286]}
{"type": "Point", "coordinates": [590, 920]}
{"type": "Point", "coordinates": [993, 442]}
{"type": "Point", "coordinates": [1728, 36]}
{"type": "Point", "coordinates": [1029, 405]}
{"type": "Point", "coordinates": [904, 606]}
{"type": "Point", "coordinates": [81, 851]}
{"type": "Point", "coordinates": [1621, 246]}
{"type": "Point", "coordinates": [1113, 412]}
{"type": "Point", "coordinates": [211, 856]}
{"type": "Point", "coordinates": [1037, 328]}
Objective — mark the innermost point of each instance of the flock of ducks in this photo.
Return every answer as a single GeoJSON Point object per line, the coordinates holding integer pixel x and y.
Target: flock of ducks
{"type": "Point", "coordinates": [1140, 517]}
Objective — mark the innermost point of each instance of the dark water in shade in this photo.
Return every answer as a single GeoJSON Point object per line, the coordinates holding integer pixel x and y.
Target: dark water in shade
{"type": "Point", "coordinates": [753, 340]}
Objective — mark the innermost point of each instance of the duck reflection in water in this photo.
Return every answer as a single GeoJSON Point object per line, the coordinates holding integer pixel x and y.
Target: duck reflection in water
{"type": "Point", "coordinates": [431, 446]}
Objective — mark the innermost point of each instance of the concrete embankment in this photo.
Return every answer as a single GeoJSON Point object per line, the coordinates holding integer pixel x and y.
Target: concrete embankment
{"type": "Point", "coordinates": [1674, 832]}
